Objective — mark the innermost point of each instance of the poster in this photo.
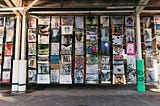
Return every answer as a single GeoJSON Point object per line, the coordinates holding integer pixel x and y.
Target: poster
{"type": "Point", "coordinates": [54, 48]}
{"type": "Point", "coordinates": [32, 62]}
{"type": "Point", "coordinates": [9, 35]}
{"type": "Point", "coordinates": [157, 19]}
{"type": "Point", "coordinates": [79, 22]}
{"type": "Point", "coordinates": [147, 22]}
{"type": "Point", "coordinates": [43, 68]}
{"type": "Point", "coordinates": [104, 34]}
{"type": "Point", "coordinates": [67, 20]}
{"type": "Point", "coordinates": [117, 20]}
{"type": "Point", "coordinates": [31, 35]}
{"type": "Point", "coordinates": [150, 77]}
{"type": "Point", "coordinates": [7, 62]}
{"type": "Point", "coordinates": [79, 35]}
{"type": "Point", "coordinates": [32, 21]}
{"type": "Point", "coordinates": [105, 48]}
{"type": "Point", "coordinates": [105, 63]}
{"type": "Point", "coordinates": [105, 76]}
{"type": "Point", "coordinates": [67, 30]}
{"type": "Point", "coordinates": [55, 37]}
{"type": "Point", "coordinates": [92, 59]}
{"type": "Point", "coordinates": [54, 75]}
{"type": "Point", "coordinates": [79, 49]}
{"type": "Point", "coordinates": [31, 48]}
{"type": "Point", "coordinates": [43, 49]}
{"type": "Point", "coordinates": [8, 49]}
{"type": "Point", "coordinates": [148, 47]}
{"type": "Point", "coordinates": [118, 69]}
{"type": "Point", "coordinates": [44, 20]}
{"type": "Point", "coordinates": [104, 21]}
{"type": "Point", "coordinates": [118, 49]}
{"type": "Point", "coordinates": [117, 39]}
{"type": "Point", "coordinates": [129, 20]}
{"type": "Point", "coordinates": [118, 57]}
{"type": "Point", "coordinates": [66, 50]}
{"type": "Point", "coordinates": [65, 79]}
{"type": "Point", "coordinates": [43, 79]}
{"type": "Point", "coordinates": [92, 48]}
{"type": "Point", "coordinates": [147, 35]}
{"type": "Point", "coordinates": [43, 58]}
{"type": "Point", "coordinates": [6, 76]}
{"type": "Point", "coordinates": [55, 22]}
{"type": "Point", "coordinates": [32, 76]}
{"type": "Point", "coordinates": [54, 59]}
{"type": "Point", "coordinates": [119, 79]}
{"type": "Point", "coordinates": [91, 20]}
{"type": "Point", "coordinates": [92, 79]}
{"type": "Point", "coordinates": [44, 29]}
{"type": "Point", "coordinates": [91, 30]}
{"type": "Point", "coordinates": [93, 38]}
{"type": "Point", "coordinates": [79, 62]}
{"type": "Point", "coordinates": [79, 76]}
{"type": "Point", "coordinates": [10, 23]}
{"type": "Point", "coordinates": [149, 62]}
{"type": "Point", "coordinates": [66, 40]}
{"type": "Point", "coordinates": [43, 39]}
{"type": "Point", "coordinates": [130, 37]}
{"type": "Point", "coordinates": [130, 48]}
{"type": "Point", "coordinates": [66, 58]}
{"type": "Point", "coordinates": [92, 69]}
{"type": "Point", "coordinates": [131, 63]}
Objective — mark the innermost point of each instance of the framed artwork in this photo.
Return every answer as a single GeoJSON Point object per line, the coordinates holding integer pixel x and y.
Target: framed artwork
{"type": "Point", "coordinates": [66, 40]}
{"type": "Point", "coordinates": [92, 69]}
{"type": "Point", "coordinates": [32, 48]}
{"type": "Point", "coordinates": [117, 49]}
{"type": "Point", "coordinates": [105, 48]}
{"type": "Point", "coordinates": [117, 39]}
{"type": "Point", "coordinates": [2, 21]}
{"type": "Point", "coordinates": [91, 30]}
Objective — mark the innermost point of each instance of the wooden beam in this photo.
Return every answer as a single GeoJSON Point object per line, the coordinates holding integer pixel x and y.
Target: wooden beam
{"type": "Point", "coordinates": [11, 5]}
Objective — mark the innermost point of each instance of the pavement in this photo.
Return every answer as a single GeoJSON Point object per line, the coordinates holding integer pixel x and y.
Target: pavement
{"type": "Point", "coordinates": [80, 95]}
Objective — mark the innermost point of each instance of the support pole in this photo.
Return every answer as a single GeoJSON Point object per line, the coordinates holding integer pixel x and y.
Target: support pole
{"type": "Point", "coordinates": [17, 55]}
{"type": "Point", "coordinates": [139, 61]}
{"type": "Point", "coordinates": [23, 62]}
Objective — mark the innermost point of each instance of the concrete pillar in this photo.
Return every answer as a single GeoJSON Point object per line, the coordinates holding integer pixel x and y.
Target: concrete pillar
{"type": "Point", "coordinates": [17, 55]}
{"type": "Point", "coordinates": [23, 62]}
{"type": "Point", "coordinates": [139, 61]}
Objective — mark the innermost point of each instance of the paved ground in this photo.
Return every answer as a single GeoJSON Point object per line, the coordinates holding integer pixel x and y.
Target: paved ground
{"type": "Point", "coordinates": [80, 96]}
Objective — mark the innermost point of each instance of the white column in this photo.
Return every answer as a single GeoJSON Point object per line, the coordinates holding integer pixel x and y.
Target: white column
{"type": "Point", "coordinates": [23, 62]}
{"type": "Point", "coordinates": [138, 38]}
{"type": "Point", "coordinates": [17, 55]}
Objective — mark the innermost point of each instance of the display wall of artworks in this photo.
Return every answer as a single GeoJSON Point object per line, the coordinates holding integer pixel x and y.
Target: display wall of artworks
{"type": "Point", "coordinates": [7, 33]}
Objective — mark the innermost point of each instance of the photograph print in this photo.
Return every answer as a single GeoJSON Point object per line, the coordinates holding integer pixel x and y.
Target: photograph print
{"type": "Point", "coordinates": [118, 49]}
{"type": "Point", "coordinates": [150, 76]}
{"type": "Point", "coordinates": [92, 79]}
{"type": "Point", "coordinates": [147, 22]}
{"type": "Point", "coordinates": [92, 59]}
{"type": "Point", "coordinates": [91, 30]}
{"type": "Point", "coordinates": [92, 69]}
{"type": "Point", "coordinates": [9, 35]}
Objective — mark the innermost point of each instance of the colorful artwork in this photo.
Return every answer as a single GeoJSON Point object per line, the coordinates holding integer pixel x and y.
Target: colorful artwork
{"type": "Point", "coordinates": [105, 48]}
{"type": "Point", "coordinates": [9, 35]}
{"type": "Point", "coordinates": [43, 58]}
{"type": "Point", "coordinates": [66, 50]}
{"type": "Point", "coordinates": [43, 68]}
{"type": "Point", "coordinates": [8, 49]}
{"type": "Point", "coordinates": [105, 63]}
{"type": "Point", "coordinates": [43, 49]}
{"type": "Point", "coordinates": [130, 37]}
{"type": "Point", "coordinates": [79, 76]}
{"type": "Point", "coordinates": [79, 35]}
{"type": "Point", "coordinates": [79, 21]}
{"type": "Point", "coordinates": [147, 35]}
{"type": "Point", "coordinates": [66, 58]}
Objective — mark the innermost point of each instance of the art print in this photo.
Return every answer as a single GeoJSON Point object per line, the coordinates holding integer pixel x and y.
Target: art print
{"type": "Point", "coordinates": [105, 76]}
{"type": "Point", "coordinates": [44, 29]}
{"type": "Point", "coordinates": [65, 79]}
{"type": "Point", "coordinates": [148, 47]}
{"type": "Point", "coordinates": [31, 35]}
{"type": "Point", "coordinates": [67, 30]}
{"type": "Point", "coordinates": [117, 29]}
{"type": "Point", "coordinates": [7, 62]}
{"type": "Point", "coordinates": [67, 20]}
{"type": "Point", "coordinates": [131, 63]}
{"type": "Point", "coordinates": [32, 76]}
{"type": "Point", "coordinates": [55, 36]}
{"type": "Point", "coordinates": [54, 48]}
{"type": "Point", "coordinates": [43, 79]}
{"type": "Point", "coordinates": [91, 20]}
{"type": "Point", "coordinates": [79, 62]}
{"type": "Point", "coordinates": [54, 59]}
{"type": "Point", "coordinates": [129, 20]}
{"type": "Point", "coordinates": [92, 59]}
{"type": "Point", "coordinates": [54, 76]}
{"type": "Point", "coordinates": [55, 22]}
{"type": "Point", "coordinates": [104, 34]}
{"type": "Point", "coordinates": [32, 48]}
{"type": "Point", "coordinates": [32, 62]}
{"type": "Point", "coordinates": [119, 79]}
{"type": "Point", "coordinates": [79, 21]}
{"type": "Point", "coordinates": [10, 23]}
{"type": "Point", "coordinates": [44, 20]}
{"type": "Point", "coordinates": [130, 37]}
{"type": "Point", "coordinates": [43, 68]}
{"type": "Point", "coordinates": [6, 76]}
{"type": "Point", "coordinates": [104, 20]}
{"type": "Point", "coordinates": [79, 76]}
{"type": "Point", "coordinates": [79, 49]}
{"type": "Point", "coordinates": [79, 35]}
{"type": "Point", "coordinates": [32, 22]}
{"type": "Point", "coordinates": [43, 49]}
{"type": "Point", "coordinates": [42, 39]}
{"type": "Point", "coordinates": [66, 50]}
{"type": "Point", "coordinates": [130, 48]}
{"type": "Point", "coordinates": [105, 48]}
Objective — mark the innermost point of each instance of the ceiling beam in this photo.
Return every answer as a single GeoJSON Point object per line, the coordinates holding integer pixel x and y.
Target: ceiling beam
{"type": "Point", "coordinates": [10, 5]}
{"type": "Point", "coordinates": [32, 4]}
{"type": "Point", "coordinates": [141, 6]}
{"type": "Point", "coordinates": [17, 3]}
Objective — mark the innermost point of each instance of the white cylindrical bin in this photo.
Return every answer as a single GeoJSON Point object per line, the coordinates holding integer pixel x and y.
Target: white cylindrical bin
{"type": "Point", "coordinates": [22, 76]}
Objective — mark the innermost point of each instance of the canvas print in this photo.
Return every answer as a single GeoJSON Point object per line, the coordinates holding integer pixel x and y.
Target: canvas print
{"type": "Point", "coordinates": [118, 69]}
{"type": "Point", "coordinates": [43, 68]}
{"type": "Point", "coordinates": [55, 37]}
{"type": "Point", "coordinates": [54, 59]}
{"type": "Point", "coordinates": [117, 20]}
{"type": "Point", "coordinates": [31, 35]}
{"type": "Point", "coordinates": [67, 20]}
{"type": "Point", "coordinates": [44, 29]}
{"type": "Point", "coordinates": [66, 50]}
{"type": "Point", "coordinates": [79, 21]}
{"type": "Point", "coordinates": [147, 35]}
{"type": "Point", "coordinates": [117, 49]}
{"type": "Point", "coordinates": [43, 58]}
{"type": "Point", "coordinates": [42, 39]}
{"type": "Point", "coordinates": [6, 76]}
{"type": "Point", "coordinates": [147, 22]}
{"type": "Point", "coordinates": [65, 69]}
{"type": "Point", "coordinates": [32, 48]}
{"type": "Point", "coordinates": [54, 76]}
{"type": "Point", "coordinates": [105, 48]}
{"type": "Point", "coordinates": [10, 23]}
{"type": "Point", "coordinates": [91, 20]}
{"type": "Point", "coordinates": [32, 62]}
{"type": "Point", "coordinates": [129, 20]}
{"type": "Point", "coordinates": [150, 77]}
{"type": "Point", "coordinates": [1, 31]}
{"type": "Point", "coordinates": [43, 49]}
{"type": "Point", "coordinates": [79, 76]}
{"type": "Point", "coordinates": [105, 76]}
{"type": "Point", "coordinates": [92, 48]}
{"type": "Point", "coordinates": [55, 22]}
{"type": "Point", "coordinates": [79, 35]}
{"type": "Point", "coordinates": [104, 21]}
{"type": "Point", "coordinates": [2, 21]}
{"type": "Point", "coordinates": [67, 30]}
{"type": "Point", "coordinates": [91, 30]}
{"type": "Point", "coordinates": [130, 37]}
{"type": "Point", "coordinates": [43, 79]}
{"type": "Point", "coordinates": [92, 79]}
{"type": "Point", "coordinates": [7, 62]}
{"type": "Point", "coordinates": [9, 35]}
{"type": "Point", "coordinates": [117, 39]}
{"type": "Point", "coordinates": [119, 79]}
{"type": "Point", "coordinates": [54, 48]}
{"type": "Point", "coordinates": [149, 62]}
{"type": "Point", "coordinates": [8, 49]}
{"type": "Point", "coordinates": [66, 58]}
{"type": "Point", "coordinates": [66, 40]}
{"type": "Point", "coordinates": [92, 69]}
{"type": "Point", "coordinates": [32, 22]}
{"type": "Point", "coordinates": [118, 57]}
{"type": "Point", "coordinates": [104, 34]}
{"type": "Point", "coordinates": [117, 29]}
{"type": "Point", "coordinates": [105, 63]}
{"type": "Point", "coordinates": [79, 62]}
{"type": "Point", "coordinates": [32, 76]}
{"type": "Point", "coordinates": [130, 48]}
{"type": "Point", "coordinates": [44, 20]}
{"type": "Point", "coordinates": [79, 49]}
{"type": "Point", "coordinates": [92, 59]}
